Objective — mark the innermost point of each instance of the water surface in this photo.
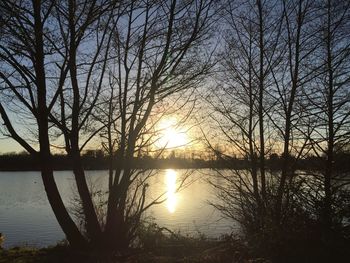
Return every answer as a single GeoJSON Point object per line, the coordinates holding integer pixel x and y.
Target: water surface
{"type": "Point", "coordinates": [26, 217]}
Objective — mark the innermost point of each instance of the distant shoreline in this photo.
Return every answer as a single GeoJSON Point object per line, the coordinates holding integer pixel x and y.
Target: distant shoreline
{"type": "Point", "coordinates": [97, 161]}
{"type": "Point", "coordinates": [24, 162]}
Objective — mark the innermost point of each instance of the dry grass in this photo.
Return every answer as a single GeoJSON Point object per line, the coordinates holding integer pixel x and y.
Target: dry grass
{"type": "Point", "coordinates": [196, 252]}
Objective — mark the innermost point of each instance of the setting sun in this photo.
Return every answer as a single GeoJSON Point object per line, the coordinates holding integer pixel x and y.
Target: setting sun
{"type": "Point", "coordinates": [170, 135]}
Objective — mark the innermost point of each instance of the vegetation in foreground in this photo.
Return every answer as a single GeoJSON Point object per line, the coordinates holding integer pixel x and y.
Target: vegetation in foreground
{"type": "Point", "coordinates": [160, 245]}
{"type": "Point", "coordinates": [172, 249]}
{"type": "Point", "coordinates": [178, 249]}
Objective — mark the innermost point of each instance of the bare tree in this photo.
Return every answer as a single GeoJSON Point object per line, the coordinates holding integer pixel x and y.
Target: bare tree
{"type": "Point", "coordinates": [54, 64]}
{"type": "Point", "coordinates": [24, 76]}
{"type": "Point", "coordinates": [289, 79]}
{"type": "Point", "coordinates": [241, 102]}
{"type": "Point", "coordinates": [82, 73]}
{"type": "Point", "coordinates": [328, 100]}
{"type": "Point", "coordinates": [55, 84]}
{"type": "Point", "coordinates": [157, 54]}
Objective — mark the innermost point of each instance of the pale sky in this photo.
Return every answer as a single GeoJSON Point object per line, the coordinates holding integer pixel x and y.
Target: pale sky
{"type": "Point", "coordinates": [9, 145]}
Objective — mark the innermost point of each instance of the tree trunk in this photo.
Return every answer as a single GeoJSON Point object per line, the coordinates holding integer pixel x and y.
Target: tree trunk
{"type": "Point", "coordinates": [65, 221]}
{"type": "Point", "coordinates": [330, 141]}
{"type": "Point", "coordinates": [261, 100]}
{"type": "Point", "coordinates": [73, 235]}
{"type": "Point", "coordinates": [92, 224]}
{"type": "Point", "coordinates": [294, 75]}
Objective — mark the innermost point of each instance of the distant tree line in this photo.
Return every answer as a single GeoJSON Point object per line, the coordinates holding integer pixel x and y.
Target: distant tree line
{"type": "Point", "coordinates": [98, 160]}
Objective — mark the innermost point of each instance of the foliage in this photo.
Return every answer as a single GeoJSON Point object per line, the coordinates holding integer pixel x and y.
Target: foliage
{"type": "Point", "coordinates": [2, 239]}
{"type": "Point", "coordinates": [300, 235]}
{"type": "Point", "coordinates": [183, 249]}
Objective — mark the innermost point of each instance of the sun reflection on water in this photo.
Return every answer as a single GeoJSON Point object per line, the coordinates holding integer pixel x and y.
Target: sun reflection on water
{"type": "Point", "coordinates": [170, 181]}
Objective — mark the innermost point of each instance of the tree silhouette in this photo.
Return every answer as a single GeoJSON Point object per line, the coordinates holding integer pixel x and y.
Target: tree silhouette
{"type": "Point", "coordinates": [61, 60]}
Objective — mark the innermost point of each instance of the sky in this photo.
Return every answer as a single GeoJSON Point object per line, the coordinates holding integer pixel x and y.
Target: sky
{"type": "Point", "coordinates": [171, 137]}
{"type": "Point", "coordinates": [9, 145]}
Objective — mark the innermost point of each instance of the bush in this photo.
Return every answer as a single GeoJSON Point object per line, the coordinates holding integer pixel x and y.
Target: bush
{"type": "Point", "coordinates": [2, 239]}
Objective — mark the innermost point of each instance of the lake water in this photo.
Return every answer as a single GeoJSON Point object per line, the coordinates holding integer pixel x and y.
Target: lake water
{"type": "Point", "coordinates": [26, 217]}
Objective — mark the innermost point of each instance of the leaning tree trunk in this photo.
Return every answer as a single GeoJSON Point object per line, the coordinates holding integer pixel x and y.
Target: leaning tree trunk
{"type": "Point", "coordinates": [68, 226]}
{"type": "Point", "coordinates": [65, 221]}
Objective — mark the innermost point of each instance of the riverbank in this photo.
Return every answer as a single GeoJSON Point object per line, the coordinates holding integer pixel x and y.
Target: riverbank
{"type": "Point", "coordinates": [190, 250]}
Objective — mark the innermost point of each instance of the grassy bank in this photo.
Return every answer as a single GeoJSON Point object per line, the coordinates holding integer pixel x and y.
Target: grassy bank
{"type": "Point", "coordinates": [182, 250]}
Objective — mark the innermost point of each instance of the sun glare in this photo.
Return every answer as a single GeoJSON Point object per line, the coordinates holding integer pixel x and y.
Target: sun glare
{"type": "Point", "coordinates": [170, 135]}
{"type": "Point", "coordinates": [170, 181]}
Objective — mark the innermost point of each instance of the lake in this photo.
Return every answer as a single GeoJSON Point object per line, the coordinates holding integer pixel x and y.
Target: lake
{"type": "Point", "coordinates": [26, 217]}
